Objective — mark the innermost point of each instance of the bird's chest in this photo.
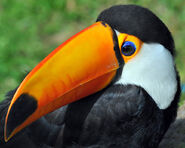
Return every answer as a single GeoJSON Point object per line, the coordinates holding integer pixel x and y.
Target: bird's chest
{"type": "Point", "coordinates": [115, 119]}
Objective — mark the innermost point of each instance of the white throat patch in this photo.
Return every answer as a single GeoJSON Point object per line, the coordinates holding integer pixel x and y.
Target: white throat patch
{"type": "Point", "coordinates": [152, 69]}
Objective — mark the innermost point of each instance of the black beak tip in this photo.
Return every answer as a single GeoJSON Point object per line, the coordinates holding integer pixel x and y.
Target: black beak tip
{"type": "Point", "coordinates": [23, 107]}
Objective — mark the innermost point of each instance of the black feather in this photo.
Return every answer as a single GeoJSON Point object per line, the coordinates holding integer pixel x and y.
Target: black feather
{"type": "Point", "coordinates": [138, 21]}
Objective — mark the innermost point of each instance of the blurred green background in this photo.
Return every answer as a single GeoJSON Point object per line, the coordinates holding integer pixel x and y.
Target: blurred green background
{"type": "Point", "coordinates": [31, 29]}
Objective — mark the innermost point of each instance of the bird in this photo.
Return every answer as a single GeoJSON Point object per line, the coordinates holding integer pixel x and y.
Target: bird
{"type": "Point", "coordinates": [112, 85]}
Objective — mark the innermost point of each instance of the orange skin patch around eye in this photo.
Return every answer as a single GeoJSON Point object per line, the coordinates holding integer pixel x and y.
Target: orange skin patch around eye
{"type": "Point", "coordinates": [123, 37]}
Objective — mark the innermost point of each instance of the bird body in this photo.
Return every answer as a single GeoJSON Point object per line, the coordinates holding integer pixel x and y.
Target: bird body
{"type": "Point", "coordinates": [107, 120]}
{"type": "Point", "coordinates": [132, 104]}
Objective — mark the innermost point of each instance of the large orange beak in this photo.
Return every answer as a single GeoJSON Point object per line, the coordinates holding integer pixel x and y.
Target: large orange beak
{"type": "Point", "coordinates": [81, 66]}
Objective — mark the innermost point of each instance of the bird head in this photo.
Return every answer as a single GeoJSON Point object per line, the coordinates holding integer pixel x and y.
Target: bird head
{"type": "Point", "coordinates": [128, 44]}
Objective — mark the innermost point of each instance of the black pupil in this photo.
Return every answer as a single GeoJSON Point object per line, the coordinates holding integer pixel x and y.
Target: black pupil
{"type": "Point", "coordinates": [128, 50]}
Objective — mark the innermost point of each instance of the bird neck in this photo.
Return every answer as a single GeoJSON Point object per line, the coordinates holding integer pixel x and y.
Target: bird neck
{"type": "Point", "coordinates": [152, 69]}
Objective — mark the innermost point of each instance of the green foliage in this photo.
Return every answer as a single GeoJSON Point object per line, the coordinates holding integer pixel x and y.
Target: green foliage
{"type": "Point", "coordinates": [31, 29]}
{"type": "Point", "coordinates": [181, 102]}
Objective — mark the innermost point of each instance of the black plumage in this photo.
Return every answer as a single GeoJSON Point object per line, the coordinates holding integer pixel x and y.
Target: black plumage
{"type": "Point", "coordinates": [40, 134]}
{"type": "Point", "coordinates": [119, 115]}
{"type": "Point", "coordinates": [115, 117]}
{"type": "Point", "coordinates": [140, 22]}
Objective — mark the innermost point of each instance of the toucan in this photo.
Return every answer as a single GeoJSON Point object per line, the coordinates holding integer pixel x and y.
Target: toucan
{"type": "Point", "coordinates": [113, 85]}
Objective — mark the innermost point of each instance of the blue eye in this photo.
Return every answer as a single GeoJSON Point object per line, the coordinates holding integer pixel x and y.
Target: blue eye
{"type": "Point", "coordinates": [128, 48]}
